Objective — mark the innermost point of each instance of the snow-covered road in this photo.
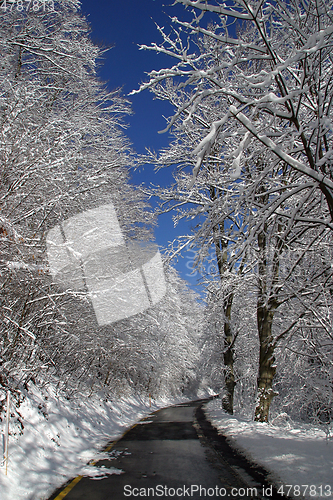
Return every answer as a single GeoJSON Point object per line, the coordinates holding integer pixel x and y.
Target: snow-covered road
{"type": "Point", "coordinates": [173, 452]}
{"type": "Point", "coordinates": [61, 436]}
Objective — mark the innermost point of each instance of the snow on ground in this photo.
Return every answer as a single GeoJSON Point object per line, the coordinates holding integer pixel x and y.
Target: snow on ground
{"type": "Point", "coordinates": [61, 437]}
{"type": "Point", "coordinates": [294, 454]}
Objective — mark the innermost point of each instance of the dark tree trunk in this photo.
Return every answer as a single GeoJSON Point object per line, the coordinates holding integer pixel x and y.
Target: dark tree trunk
{"type": "Point", "coordinates": [266, 306]}
{"type": "Point", "coordinates": [267, 369]}
{"type": "Point", "coordinates": [228, 358]}
{"type": "Point", "coordinates": [221, 249]}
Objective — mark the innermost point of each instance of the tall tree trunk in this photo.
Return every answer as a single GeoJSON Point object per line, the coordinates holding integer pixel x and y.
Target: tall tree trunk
{"type": "Point", "coordinates": [267, 369]}
{"type": "Point", "coordinates": [221, 249]}
{"type": "Point", "coordinates": [267, 304]}
{"type": "Point", "coordinates": [228, 358]}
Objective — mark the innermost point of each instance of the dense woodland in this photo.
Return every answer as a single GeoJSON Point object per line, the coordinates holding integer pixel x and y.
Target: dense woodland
{"type": "Point", "coordinates": [251, 87]}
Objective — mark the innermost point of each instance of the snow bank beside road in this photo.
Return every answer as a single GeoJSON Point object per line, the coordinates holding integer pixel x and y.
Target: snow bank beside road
{"type": "Point", "coordinates": [295, 455]}
{"type": "Point", "coordinates": [60, 437]}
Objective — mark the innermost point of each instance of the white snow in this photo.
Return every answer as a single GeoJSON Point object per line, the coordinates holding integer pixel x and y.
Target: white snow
{"type": "Point", "coordinates": [62, 437]}
{"type": "Point", "coordinates": [294, 454]}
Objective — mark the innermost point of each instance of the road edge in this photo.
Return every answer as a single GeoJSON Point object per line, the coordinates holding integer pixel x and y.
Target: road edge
{"type": "Point", "coordinates": [235, 458]}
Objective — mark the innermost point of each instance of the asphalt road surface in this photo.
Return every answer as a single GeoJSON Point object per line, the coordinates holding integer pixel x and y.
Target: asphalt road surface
{"type": "Point", "coordinates": [173, 453]}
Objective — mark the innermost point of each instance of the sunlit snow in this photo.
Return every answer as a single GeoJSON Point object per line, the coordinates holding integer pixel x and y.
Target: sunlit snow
{"type": "Point", "coordinates": [62, 438]}
{"type": "Point", "coordinates": [294, 454]}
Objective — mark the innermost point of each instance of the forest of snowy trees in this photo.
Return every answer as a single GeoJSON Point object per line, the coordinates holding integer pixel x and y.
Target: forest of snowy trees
{"type": "Point", "coordinates": [63, 151]}
{"type": "Point", "coordinates": [251, 153]}
{"type": "Point", "coordinates": [251, 87]}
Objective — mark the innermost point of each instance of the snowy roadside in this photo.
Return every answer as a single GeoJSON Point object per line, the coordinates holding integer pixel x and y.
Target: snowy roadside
{"type": "Point", "coordinates": [61, 436]}
{"type": "Point", "coordinates": [298, 455]}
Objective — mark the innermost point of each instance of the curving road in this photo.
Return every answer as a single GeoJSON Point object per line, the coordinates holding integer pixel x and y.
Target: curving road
{"type": "Point", "coordinates": [173, 453]}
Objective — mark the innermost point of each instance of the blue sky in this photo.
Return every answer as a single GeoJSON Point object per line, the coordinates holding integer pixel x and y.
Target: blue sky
{"type": "Point", "coordinates": [124, 25]}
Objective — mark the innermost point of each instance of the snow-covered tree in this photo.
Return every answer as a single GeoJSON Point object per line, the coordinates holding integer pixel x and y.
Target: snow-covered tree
{"type": "Point", "coordinates": [274, 73]}
{"type": "Point", "coordinates": [165, 342]}
{"type": "Point", "coordinates": [251, 93]}
{"type": "Point", "coordinates": [62, 151]}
